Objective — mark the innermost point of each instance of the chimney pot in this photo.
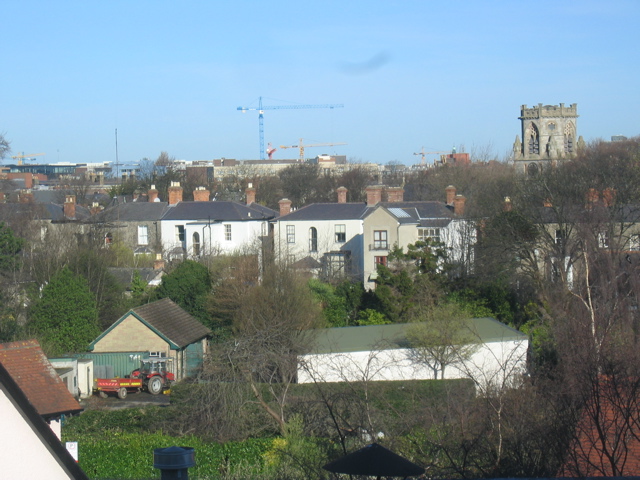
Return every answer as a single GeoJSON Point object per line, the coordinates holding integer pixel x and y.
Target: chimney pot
{"type": "Point", "coordinates": [175, 193]}
{"type": "Point", "coordinates": [458, 205]}
{"type": "Point", "coordinates": [251, 194]}
{"type": "Point", "coordinates": [201, 194]}
{"type": "Point", "coordinates": [374, 195]}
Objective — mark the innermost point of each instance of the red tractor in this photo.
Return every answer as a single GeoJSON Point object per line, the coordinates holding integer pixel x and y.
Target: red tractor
{"type": "Point", "coordinates": [154, 374]}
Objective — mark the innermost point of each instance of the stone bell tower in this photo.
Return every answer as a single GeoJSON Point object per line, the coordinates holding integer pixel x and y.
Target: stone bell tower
{"type": "Point", "coordinates": [549, 135]}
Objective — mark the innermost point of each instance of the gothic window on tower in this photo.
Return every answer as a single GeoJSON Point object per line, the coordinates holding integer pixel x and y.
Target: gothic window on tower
{"type": "Point", "coordinates": [568, 139]}
{"type": "Point", "coordinates": [534, 140]}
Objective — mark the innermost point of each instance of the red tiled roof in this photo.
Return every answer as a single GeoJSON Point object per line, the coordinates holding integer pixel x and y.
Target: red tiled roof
{"type": "Point", "coordinates": [607, 439]}
{"type": "Point", "coordinates": [28, 366]}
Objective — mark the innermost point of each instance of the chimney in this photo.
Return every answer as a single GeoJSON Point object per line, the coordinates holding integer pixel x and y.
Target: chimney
{"type": "Point", "coordinates": [251, 194]}
{"type": "Point", "coordinates": [26, 196]}
{"type": "Point", "coordinates": [201, 194]}
{"type": "Point", "coordinates": [451, 194]}
{"type": "Point", "coordinates": [158, 263]}
{"type": "Point", "coordinates": [592, 196]}
{"type": "Point", "coordinates": [70, 207]}
{"type": "Point", "coordinates": [507, 206]}
{"type": "Point", "coordinates": [175, 193]}
{"type": "Point", "coordinates": [608, 196]}
{"type": "Point", "coordinates": [285, 206]}
{"type": "Point", "coordinates": [153, 194]}
{"type": "Point", "coordinates": [374, 195]}
{"type": "Point", "coordinates": [395, 194]}
{"type": "Point", "coordinates": [458, 205]}
{"type": "Point", "coordinates": [342, 194]}
{"type": "Point", "coordinates": [95, 208]}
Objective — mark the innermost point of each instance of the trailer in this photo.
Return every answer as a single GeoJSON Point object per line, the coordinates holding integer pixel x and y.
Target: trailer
{"type": "Point", "coordinates": [121, 386]}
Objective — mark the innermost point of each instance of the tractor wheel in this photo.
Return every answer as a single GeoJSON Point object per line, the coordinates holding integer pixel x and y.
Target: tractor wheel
{"type": "Point", "coordinates": [155, 385]}
{"type": "Point", "coordinates": [122, 393]}
{"type": "Point", "coordinates": [103, 394]}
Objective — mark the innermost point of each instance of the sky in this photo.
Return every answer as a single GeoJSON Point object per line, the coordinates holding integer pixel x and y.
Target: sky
{"type": "Point", "coordinates": [412, 75]}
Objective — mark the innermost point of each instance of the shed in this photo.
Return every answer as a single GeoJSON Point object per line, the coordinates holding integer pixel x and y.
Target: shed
{"type": "Point", "coordinates": [382, 352]}
{"type": "Point", "coordinates": [161, 328]}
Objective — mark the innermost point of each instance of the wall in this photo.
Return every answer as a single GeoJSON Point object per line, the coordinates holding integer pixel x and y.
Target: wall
{"type": "Point", "coordinates": [494, 363]}
{"type": "Point", "coordinates": [131, 335]}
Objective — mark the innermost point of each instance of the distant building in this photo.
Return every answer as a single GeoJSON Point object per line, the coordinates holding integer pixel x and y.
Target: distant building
{"type": "Point", "coordinates": [549, 135]}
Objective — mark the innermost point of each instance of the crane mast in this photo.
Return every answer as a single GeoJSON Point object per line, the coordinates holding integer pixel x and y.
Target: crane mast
{"type": "Point", "coordinates": [261, 108]}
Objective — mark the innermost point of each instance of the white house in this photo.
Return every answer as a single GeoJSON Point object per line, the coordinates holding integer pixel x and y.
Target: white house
{"type": "Point", "coordinates": [204, 227]}
{"type": "Point", "coordinates": [383, 353]}
{"type": "Point", "coordinates": [351, 239]}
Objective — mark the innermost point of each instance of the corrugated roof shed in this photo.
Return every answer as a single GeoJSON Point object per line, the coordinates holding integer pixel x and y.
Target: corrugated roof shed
{"type": "Point", "coordinates": [365, 338]}
{"type": "Point", "coordinates": [28, 366]}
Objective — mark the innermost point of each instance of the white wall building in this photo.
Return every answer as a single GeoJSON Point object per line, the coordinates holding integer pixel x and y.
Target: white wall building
{"type": "Point", "coordinates": [382, 353]}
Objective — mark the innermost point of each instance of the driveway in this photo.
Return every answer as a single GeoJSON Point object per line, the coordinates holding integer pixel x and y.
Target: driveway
{"type": "Point", "coordinates": [133, 400]}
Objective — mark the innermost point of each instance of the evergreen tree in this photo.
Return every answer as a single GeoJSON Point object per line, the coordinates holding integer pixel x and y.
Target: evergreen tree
{"type": "Point", "coordinates": [65, 316]}
{"type": "Point", "coordinates": [188, 285]}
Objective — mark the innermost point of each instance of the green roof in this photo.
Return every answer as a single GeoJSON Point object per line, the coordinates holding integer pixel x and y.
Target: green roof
{"type": "Point", "coordinates": [393, 336]}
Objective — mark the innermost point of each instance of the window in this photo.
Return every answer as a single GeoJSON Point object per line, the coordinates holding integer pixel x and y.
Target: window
{"type": "Point", "coordinates": [291, 234]}
{"type": "Point", "coordinates": [180, 234]}
{"type": "Point", "coordinates": [603, 240]}
{"type": "Point", "coordinates": [227, 232]}
{"type": "Point", "coordinates": [380, 240]}
{"type": "Point", "coordinates": [341, 233]}
{"type": "Point", "coordinates": [313, 239]}
{"type": "Point", "coordinates": [143, 235]}
{"type": "Point", "coordinates": [380, 261]}
{"type": "Point", "coordinates": [196, 244]}
{"type": "Point", "coordinates": [425, 234]}
{"type": "Point", "coordinates": [108, 239]}
{"type": "Point", "coordinates": [560, 237]}
{"type": "Point", "coordinates": [336, 264]}
{"type": "Point", "coordinates": [634, 242]}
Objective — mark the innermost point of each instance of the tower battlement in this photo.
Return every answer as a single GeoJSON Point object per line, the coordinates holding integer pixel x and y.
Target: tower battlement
{"type": "Point", "coordinates": [540, 111]}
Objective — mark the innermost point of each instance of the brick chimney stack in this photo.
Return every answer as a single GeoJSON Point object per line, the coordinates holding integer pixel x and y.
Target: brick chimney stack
{"type": "Point", "coordinates": [251, 194]}
{"type": "Point", "coordinates": [451, 194]}
{"type": "Point", "coordinates": [95, 208]}
{"type": "Point", "coordinates": [201, 194]}
{"type": "Point", "coordinates": [26, 196]}
{"type": "Point", "coordinates": [70, 207]}
{"type": "Point", "coordinates": [153, 194]}
{"type": "Point", "coordinates": [395, 194]}
{"type": "Point", "coordinates": [458, 205]}
{"type": "Point", "coordinates": [374, 195]}
{"type": "Point", "coordinates": [285, 206]}
{"type": "Point", "coordinates": [342, 194]}
{"type": "Point", "coordinates": [158, 263]}
{"type": "Point", "coordinates": [175, 193]}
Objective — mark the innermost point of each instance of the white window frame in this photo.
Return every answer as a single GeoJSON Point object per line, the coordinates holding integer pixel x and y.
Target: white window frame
{"type": "Point", "coordinates": [143, 235]}
{"type": "Point", "coordinates": [227, 232]}
{"type": "Point", "coordinates": [291, 234]}
{"type": "Point", "coordinates": [341, 233]}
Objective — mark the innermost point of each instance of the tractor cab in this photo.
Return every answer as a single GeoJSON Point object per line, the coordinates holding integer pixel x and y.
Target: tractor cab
{"type": "Point", "coordinates": [155, 372]}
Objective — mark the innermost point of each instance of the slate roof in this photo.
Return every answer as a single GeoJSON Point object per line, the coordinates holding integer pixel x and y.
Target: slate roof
{"type": "Point", "coordinates": [132, 212]}
{"type": "Point", "coordinates": [217, 211]}
{"type": "Point", "coordinates": [329, 211]}
{"type": "Point", "coordinates": [393, 336]}
{"type": "Point", "coordinates": [28, 366]}
{"type": "Point", "coordinates": [124, 275]}
{"type": "Point", "coordinates": [39, 211]}
{"type": "Point", "coordinates": [168, 320]}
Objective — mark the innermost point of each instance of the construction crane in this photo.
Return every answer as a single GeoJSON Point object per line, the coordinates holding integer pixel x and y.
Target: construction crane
{"type": "Point", "coordinates": [261, 108]}
{"type": "Point", "coordinates": [302, 146]}
{"type": "Point", "coordinates": [423, 154]}
{"type": "Point", "coordinates": [21, 156]}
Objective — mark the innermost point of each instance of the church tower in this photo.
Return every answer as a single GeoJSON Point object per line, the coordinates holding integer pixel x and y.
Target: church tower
{"type": "Point", "coordinates": [548, 136]}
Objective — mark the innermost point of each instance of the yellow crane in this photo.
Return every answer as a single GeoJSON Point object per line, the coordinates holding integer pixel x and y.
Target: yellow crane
{"type": "Point", "coordinates": [302, 146]}
{"type": "Point", "coordinates": [423, 154]}
{"type": "Point", "coordinates": [21, 156]}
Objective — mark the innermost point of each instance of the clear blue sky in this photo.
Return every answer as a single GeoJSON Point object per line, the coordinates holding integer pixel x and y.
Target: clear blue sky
{"type": "Point", "coordinates": [169, 75]}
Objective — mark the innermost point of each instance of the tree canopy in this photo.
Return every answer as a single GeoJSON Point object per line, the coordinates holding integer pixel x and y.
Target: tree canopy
{"type": "Point", "coordinates": [65, 316]}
